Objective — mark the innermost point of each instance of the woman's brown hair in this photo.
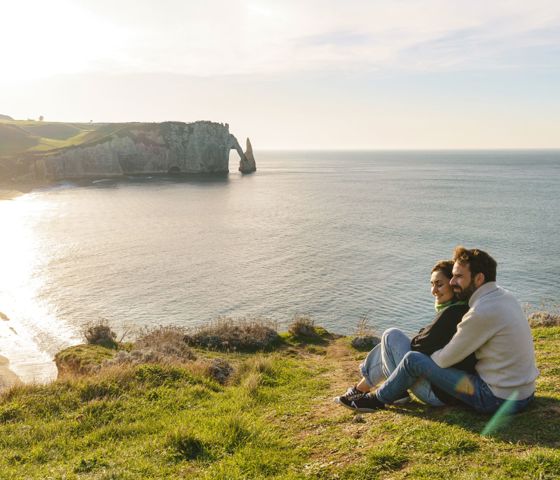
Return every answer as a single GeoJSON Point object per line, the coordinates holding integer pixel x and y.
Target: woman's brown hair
{"type": "Point", "coordinates": [445, 267]}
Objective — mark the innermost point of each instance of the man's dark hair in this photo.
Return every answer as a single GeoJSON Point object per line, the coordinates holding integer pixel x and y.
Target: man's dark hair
{"type": "Point", "coordinates": [478, 262]}
{"type": "Point", "coordinates": [445, 267]}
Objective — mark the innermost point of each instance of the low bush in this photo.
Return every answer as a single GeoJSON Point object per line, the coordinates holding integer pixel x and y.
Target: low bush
{"type": "Point", "coordinates": [219, 370]}
{"type": "Point", "coordinates": [365, 342]}
{"type": "Point", "coordinates": [227, 334]}
{"type": "Point", "coordinates": [167, 341]}
{"type": "Point", "coordinates": [544, 319]}
{"type": "Point", "coordinates": [100, 333]}
{"type": "Point", "coordinates": [164, 344]}
{"type": "Point", "coordinates": [303, 326]}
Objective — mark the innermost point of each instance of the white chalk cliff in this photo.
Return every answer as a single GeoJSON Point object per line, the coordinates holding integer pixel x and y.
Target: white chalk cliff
{"type": "Point", "coordinates": [147, 148]}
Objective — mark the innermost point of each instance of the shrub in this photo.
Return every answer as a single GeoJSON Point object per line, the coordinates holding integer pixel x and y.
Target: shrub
{"type": "Point", "coordinates": [167, 341]}
{"type": "Point", "coordinates": [303, 326]}
{"type": "Point", "coordinates": [99, 333]}
{"type": "Point", "coordinates": [234, 334]}
{"type": "Point", "coordinates": [366, 342]}
{"type": "Point", "coordinates": [544, 319]}
{"type": "Point", "coordinates": [161, 344]}
{"type": "Point", "coordinates": [219, 369]}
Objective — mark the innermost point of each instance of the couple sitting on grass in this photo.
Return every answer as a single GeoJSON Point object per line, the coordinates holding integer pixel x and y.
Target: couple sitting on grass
{"type": "Point", "coordinates": [478, 350]}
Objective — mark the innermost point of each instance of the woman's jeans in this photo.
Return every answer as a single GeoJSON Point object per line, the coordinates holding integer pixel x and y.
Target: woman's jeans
{"type": "Point", "coordinates": [384, 359]}
{"type": "Point", "coordinates": [470, 389]}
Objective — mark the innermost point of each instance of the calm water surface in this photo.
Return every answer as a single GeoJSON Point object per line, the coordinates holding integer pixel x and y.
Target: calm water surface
{"type": "Point", "coordinates": [337, 235]}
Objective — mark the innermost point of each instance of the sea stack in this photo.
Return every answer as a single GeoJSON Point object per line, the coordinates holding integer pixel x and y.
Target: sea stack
{"type": "Point", "coordinates": [247, 163]}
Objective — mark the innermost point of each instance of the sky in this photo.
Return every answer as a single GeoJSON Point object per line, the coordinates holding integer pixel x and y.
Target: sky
{"type": "Point", "coordinates": [294, 74]}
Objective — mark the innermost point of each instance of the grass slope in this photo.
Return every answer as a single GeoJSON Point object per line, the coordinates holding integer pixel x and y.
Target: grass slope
{"type": "Point", "coordinates": [19, 137]}
{"type": "Point", "coordinates": [274, 420]}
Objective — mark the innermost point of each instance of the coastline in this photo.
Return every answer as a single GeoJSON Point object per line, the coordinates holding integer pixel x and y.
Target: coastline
{"type": "Point", "coordinates": [21, 361]}
{"type": "Point", "coordinates": [8, 194]}
{"type": "Point", "coordinates": [13, 189]}
{"type": "Point", "coordinates": [7, 378]}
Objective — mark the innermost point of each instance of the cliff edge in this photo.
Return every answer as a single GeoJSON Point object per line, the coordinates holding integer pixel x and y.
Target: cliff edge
{"type": "Point", "coordinates": [112, 150]}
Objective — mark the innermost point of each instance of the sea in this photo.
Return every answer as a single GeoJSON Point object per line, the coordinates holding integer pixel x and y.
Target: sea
{"type": "Point", "coordinates": [346, 237]}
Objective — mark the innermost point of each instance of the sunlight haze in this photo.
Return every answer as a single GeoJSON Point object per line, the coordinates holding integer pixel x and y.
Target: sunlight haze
{"type": "Point", "coordinates": [294, 75]}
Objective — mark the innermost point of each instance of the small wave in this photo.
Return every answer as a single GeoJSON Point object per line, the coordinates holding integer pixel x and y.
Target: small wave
{"type": "Point", "coordinates": [101, 180]}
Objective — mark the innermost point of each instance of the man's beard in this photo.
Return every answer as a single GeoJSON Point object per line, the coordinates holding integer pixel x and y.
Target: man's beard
{"type": "Point", "coordinates": [464, 293]}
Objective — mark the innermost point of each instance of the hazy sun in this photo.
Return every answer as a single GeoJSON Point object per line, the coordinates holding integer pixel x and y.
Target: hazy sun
{"type": "Point", "coordinates": [41, 39]}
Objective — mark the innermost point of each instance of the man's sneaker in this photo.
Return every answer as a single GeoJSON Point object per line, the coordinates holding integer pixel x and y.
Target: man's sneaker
{"type": "Point", "coordinates": [351, 394]}
{"type": "Point", "coordinates": [365, 404]}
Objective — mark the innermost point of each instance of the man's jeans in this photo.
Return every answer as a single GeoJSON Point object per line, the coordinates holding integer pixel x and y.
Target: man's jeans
{"type": "Point", "coordinates": [470, 389]}
{"type": "Point", "coordinates": [384, 359]}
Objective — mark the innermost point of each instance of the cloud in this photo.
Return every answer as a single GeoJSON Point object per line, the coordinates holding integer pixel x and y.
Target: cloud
{"type": "Point", "coordinates": [262, 37]}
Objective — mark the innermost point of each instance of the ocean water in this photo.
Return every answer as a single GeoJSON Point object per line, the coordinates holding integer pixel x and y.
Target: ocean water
{"type": "Point", "coordinates": [337, 235]}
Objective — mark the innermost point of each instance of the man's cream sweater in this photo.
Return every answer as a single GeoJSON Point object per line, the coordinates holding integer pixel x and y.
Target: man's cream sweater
{"type": "Point", "coordinates": [496, 329]}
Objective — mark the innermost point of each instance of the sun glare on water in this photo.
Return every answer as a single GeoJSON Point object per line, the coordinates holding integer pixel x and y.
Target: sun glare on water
{"type": "Point", "coordinates": [27, 327]}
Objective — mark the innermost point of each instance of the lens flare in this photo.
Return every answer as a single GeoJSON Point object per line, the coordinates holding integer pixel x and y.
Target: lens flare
{"type": "Point", "coordinates": [502, 416]}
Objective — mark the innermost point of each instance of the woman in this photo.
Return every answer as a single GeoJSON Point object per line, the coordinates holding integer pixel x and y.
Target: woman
{"type": "Point", "coordinates": [394, 345]}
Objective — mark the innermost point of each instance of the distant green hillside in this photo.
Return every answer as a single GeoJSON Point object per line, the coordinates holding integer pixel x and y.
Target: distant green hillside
{"type": "Point", "coordinates": [13, 139]}
{"type": "Point", "coordinates": [19, 137]}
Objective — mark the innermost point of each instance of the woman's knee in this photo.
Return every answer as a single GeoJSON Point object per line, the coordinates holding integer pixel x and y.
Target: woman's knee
{"type": "Point", "coordinates": [416, 361]}
{"type": "Point", "coordinates": [391, 333]}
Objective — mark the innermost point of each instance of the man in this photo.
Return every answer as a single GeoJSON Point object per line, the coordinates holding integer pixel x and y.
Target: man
{"type": "Point", "coordinates": [494, 328]}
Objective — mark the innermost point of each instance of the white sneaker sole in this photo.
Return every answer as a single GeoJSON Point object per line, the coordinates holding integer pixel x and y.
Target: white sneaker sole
{"type": "Point", "coordinates": [356, 409]}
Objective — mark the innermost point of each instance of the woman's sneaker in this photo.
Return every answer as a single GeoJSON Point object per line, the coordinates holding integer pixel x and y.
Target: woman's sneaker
{"type": "Point", "coordinates": [351, 394]}
{"type": "Point", "coordinates": [367, 403]}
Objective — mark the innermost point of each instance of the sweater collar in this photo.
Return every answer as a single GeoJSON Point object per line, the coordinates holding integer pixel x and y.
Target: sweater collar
{"type": "Point", "coordinates": [442, 306]}
{"type": "Point", "coordinates": [482, 291]}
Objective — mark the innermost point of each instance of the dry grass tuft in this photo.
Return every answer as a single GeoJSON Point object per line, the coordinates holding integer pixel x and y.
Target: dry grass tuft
{"type": "Point", "coordinates": [365, 338]}
{"type": "Point", "coordinates": [168, 341]}
{"type": "Point", "coordinates": [228, 334]}
{"type": "Point", "coordinates": [164, 344]}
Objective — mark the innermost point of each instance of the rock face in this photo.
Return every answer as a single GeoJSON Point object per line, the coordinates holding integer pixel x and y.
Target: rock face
{"type": "Point", "coordinates": [142, 148]}
{"type": "Point", "coordinates": [247, 163]}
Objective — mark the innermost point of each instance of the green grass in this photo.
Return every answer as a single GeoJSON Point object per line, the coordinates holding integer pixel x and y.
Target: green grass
{"type": "Point", "coordinates": [275, 419]}
{"type": "Point", "coordinates": [20, 137]}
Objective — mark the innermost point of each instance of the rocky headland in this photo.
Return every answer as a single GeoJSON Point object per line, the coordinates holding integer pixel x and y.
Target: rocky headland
{"type": "Point", "coordinates": [44, 152]}
{"type": "Point", "coordinates": [169, 147]}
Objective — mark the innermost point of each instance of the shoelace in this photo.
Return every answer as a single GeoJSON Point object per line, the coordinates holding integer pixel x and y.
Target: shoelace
{"type": "Point", "coordinates": [353, 394]}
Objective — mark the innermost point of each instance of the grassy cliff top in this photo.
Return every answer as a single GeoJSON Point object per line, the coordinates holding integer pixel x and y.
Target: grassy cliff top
{"type": "Point", "coordinates": [273, 418]}
{"type": "Point", "coordinates": [21, 137]}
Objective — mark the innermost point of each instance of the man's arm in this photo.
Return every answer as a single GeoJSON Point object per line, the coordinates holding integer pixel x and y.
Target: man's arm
{"type": "Point", "coordinates": [472, 332]}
